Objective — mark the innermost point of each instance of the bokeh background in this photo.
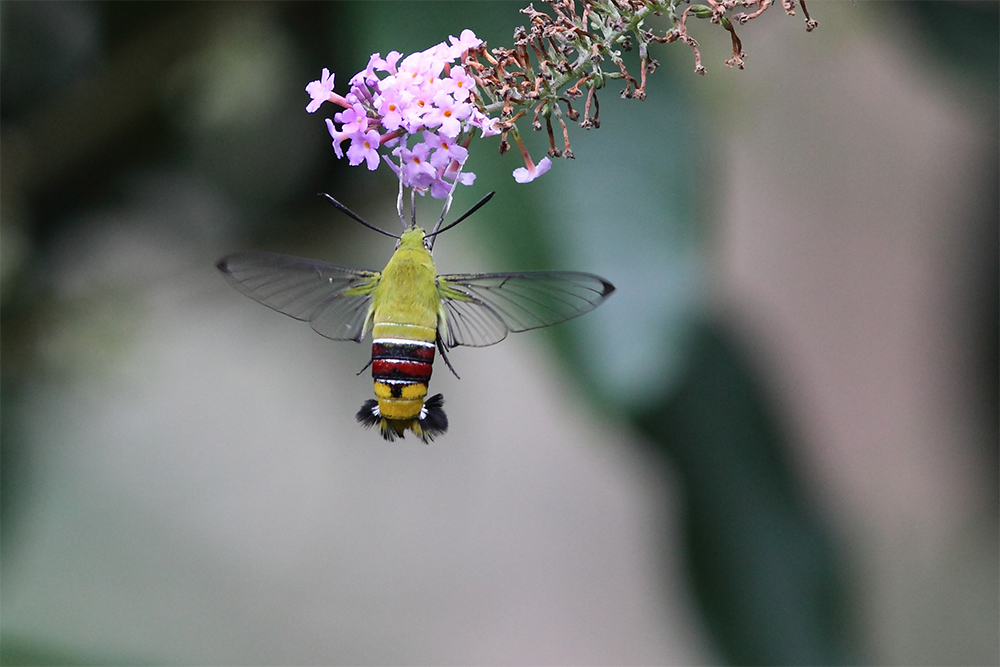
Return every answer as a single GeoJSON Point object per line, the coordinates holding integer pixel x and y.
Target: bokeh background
{"type": "Point", "coordinates": [775, 444]}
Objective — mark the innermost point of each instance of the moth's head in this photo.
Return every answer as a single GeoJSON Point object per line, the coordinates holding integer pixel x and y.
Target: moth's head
{"type": "Point", "coordinates": [413, 238]}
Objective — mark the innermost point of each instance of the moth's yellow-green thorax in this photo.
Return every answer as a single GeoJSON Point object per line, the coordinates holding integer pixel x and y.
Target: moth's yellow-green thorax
{"type": "Point", "coordinates": [406, 300]}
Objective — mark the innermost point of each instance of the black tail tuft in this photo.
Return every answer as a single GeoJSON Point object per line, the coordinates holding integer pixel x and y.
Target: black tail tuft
{"type": "Point", "coordinates": [368, 414]}
{"type": "Point", "coordinates": [434, 421]}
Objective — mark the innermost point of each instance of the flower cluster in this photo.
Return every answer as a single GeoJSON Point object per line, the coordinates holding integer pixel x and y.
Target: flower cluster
{"type": "Point", "coordinates": [425, 108]}
{"type": "Point", "coordinates": [421, 107]}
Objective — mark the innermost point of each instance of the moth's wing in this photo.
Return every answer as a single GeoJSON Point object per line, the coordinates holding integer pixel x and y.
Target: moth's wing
{"type": "Point", "coordinates": [333, 299]}
{"type": "Point", "coordinates": [481, 308]}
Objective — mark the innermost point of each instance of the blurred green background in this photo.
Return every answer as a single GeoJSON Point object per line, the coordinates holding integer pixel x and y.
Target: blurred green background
{"type": "Point", "coordinates": [775, 444]}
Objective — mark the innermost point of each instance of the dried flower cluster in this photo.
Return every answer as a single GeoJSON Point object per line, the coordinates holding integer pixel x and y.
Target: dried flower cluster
{"type": "Point", "coordinates": [428, 99]}
{"type": "Point", "coordinates": [570, 47]}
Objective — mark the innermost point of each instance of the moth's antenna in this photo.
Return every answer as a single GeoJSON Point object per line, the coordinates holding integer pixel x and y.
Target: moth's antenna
{"type": "Point", "coordinates": [349, 212]}
{"type": "Point", "coordinates": [466, 215]}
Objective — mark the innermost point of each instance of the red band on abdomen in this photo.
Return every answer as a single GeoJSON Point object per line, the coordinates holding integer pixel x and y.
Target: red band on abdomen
{"type": "Point", "coordinates": [401, 369]}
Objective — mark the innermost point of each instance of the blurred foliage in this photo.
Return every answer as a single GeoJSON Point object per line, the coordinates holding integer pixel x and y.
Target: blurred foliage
{"type": "Point", "coordinates": [964, 39]}
{"type": "Point", "coordinates": [15, 651]}
{"type": "Point", "coordinates": [767, 574]}
{"type": "Point", "coordinates": [95, 93]}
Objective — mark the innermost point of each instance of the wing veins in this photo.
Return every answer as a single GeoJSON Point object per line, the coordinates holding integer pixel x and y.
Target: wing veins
{"type": "Point", "coordinates": [516, 302]}
{"type": "Point", "coordinates": [305, 290]}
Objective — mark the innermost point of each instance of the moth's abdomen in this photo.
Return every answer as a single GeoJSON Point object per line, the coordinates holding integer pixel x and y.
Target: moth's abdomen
{"type": "Point", "coordinates": [401, 369]}
{"type": "Point", "coordinates": [402, 360]}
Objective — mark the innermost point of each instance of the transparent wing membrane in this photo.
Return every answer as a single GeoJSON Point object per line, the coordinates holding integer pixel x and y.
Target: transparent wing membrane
{"type": "Point", "coordinates": [472, 323]}
{"type": "Point", "coordinates": [482, 308]}
{"type": "Point", "coordinates": [333, 299]}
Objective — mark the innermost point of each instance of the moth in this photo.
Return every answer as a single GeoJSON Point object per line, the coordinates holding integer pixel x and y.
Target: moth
{"type": "Point", "coordinates": [412, 313]}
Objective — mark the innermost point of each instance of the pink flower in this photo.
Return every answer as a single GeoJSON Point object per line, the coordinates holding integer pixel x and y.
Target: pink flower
{"type": "Point", "coordinates": [416, 68]}
{"type": "Point", "coordinates": [375, 63]}
{"type": "Point", "coordinates": [391, 105]}
{"type": "Point", "coordinates": [320, 91]}
{"type": "Point", "coordinates": [439, 54]}
{"type": "Point", "coordinates": [338, 138]}
{"type": "Point", "coordinates": [446, 150]}
{"type": "Point", "coordinates": [391, 60]}
{"type": "Point", "coordinates": [416, 170]}
{"type": "Point", "coordinates": [447, 113]}
{"type": "Point", "coordinates": [413, 116]}
{"type": "Point", "coordinates": [531, 171]}
{"type": "Point", "coordinates": [364, 148]}
{"type": "Point", "coordinates": [354, 119]}
{"type": "Point", "coordinates": [459, 84]}
{"type": "Point", "coordinates": [467, 40]}
{"type": "Point", "coordinates": [490, 126]}
{"type": "Point", "coordinates": [440, 188]}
